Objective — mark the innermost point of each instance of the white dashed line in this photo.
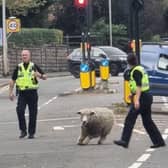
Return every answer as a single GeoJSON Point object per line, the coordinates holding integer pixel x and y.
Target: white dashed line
{"type": "Point", "coordinates": [144, 157]}
{"type": "Point", "coordinates": [135, 165]}
{"type": "Point", "coordinates": [165, 103]}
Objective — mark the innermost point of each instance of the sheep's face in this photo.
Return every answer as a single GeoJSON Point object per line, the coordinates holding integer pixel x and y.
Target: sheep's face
{"type": "Point", "coordinates": [86, 116]}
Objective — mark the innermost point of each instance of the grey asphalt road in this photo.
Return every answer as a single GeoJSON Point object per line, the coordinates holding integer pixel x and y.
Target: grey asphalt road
{"type": "Point", "coordinates": [59, 126]}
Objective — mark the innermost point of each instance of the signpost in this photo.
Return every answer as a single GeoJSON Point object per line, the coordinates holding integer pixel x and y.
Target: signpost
{"type": "Point", "coordinates": [13, 25]}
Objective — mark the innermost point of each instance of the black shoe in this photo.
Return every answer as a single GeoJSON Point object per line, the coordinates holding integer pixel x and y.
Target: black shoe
{"type": "Point", "coordinates": [23, 134]}
{"type": "Point", "coordinates": [31, 136]}
{"type": "Point", "coordinates": [121, 143]}
{"type": "Point", "coordinates": [158, 145]}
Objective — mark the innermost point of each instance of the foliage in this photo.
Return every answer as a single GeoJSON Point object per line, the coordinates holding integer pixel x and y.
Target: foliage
{"type": "Point", "coordinates": [36, 37]}
{"type": "Point", "coordinates": [119, 33]}
{"type": "Point", "coordinates": [21, 7]}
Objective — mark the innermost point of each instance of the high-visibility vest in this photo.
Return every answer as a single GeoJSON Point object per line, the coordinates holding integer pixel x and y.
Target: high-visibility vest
{"type": "Point", "coordinates": [25, 77]}
{"type": "Point", "coordinates": [144, 80]}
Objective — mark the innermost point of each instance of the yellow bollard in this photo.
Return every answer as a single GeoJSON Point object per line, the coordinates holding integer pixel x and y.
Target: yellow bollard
{"type": "Point", "coordinates": [127, 92]}
{"type": "Point", "coordinates": [104, 69]}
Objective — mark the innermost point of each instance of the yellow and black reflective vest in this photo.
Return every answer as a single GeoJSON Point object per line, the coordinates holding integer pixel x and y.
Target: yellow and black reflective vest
{"type": "Point", "coordinates": [144, 80]}
{"type": "Point", "coordinates": [25, 77]}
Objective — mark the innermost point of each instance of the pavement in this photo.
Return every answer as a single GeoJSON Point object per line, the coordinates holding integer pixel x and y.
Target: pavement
{"type": "Point", "coordinates": [160, 105]}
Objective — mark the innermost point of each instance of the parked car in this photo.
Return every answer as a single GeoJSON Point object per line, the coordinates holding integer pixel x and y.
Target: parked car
{"type": "Point", "coordinates": [116, 57]}
{"type": "Point", "coordinates": [154, 58]}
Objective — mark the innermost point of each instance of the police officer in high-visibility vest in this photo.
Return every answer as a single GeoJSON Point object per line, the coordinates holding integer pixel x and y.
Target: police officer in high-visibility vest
{"type": "Point", "coordinates": [140, 104]}
{"type": "Point", "coordinates": [26, 77]}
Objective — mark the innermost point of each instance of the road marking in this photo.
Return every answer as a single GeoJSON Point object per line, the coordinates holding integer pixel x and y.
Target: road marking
{"type": "Point", "coordinates": [135, 165]}
{"type": "Point", "coordinates": [55, 128]}
{"type": "Point", "coordinates": [45, 120]}
{"type": "Point", "coordinates": [144, 157]}
{"type": "Point", "coordinates": [58, 128]}
{"type": "Point", "coordinates": [134, 130]}
{"type": "Point", "coordinates": [165, 103]}
{"type": "Point", "coordinates": [48, 102]}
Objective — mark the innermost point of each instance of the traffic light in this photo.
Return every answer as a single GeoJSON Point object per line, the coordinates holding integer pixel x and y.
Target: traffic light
{"type": "Point", "coordinates": [81, 3]}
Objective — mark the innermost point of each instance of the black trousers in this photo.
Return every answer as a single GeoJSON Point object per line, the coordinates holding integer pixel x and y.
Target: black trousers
{"type": "Point", "coordinates": [146, 100]}
{"type": "Point", "coordinates": [30, 98]}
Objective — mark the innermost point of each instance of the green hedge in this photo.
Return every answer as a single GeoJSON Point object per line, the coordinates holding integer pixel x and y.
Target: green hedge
{"type": "Point", "coordinates": [36, 37]}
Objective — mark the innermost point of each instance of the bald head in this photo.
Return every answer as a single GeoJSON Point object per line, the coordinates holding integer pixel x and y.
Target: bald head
{"type": "Point", "coordinates": [25, 56]}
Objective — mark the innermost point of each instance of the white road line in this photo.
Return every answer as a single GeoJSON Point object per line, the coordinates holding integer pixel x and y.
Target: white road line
{"type": "Point", "coordinates": [48, 102]}
{"type": "Point", "coordinates": [165, 102]}
{"type": "Point", "coordinates": [144, 157]}
{"type": "Point", "coordinates": [164, 136]}
{"type": "Point", "coordinates": [134, 130]}
{"type": "Point", "coordinates": [166, 131]}
{"type": "Point", "coordinates": [150, 150]}
{"type": "Point", "coordinates": [45, 120]}
{"type": "Point", "coordinates": [55, 128]}
{"type": "Point", "coordinates": [135, 165]}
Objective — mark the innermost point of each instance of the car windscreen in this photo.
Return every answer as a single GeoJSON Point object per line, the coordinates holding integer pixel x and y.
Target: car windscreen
{"type": "Point", "coordinates": [113, 51]}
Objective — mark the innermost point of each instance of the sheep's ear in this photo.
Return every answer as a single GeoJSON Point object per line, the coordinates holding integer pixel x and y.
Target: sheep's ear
{"type": "Point", "coordinates": [92, 113]}
{"type": "Point", "coordinates": [78, 112]}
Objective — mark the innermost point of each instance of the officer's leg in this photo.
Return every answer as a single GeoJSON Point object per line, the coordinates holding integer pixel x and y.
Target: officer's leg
{"type": "Point", "coordinates": [129, 124]}
{"type": "Point", "coordinates": [148, 123]}
{"type": "Point", "coordinates": [32, 105]}
{"type": "Point", "coordinates": [21, 106]}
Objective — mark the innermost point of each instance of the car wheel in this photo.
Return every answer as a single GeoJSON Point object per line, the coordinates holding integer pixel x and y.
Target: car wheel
{"type": "Point", "coordinates": [114, 70]}
{"type": "Point", "coordinates": [75, 71]}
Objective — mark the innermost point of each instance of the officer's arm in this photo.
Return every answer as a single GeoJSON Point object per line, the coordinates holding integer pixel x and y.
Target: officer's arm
{"type": "Point", "coordinates": [39, 73]}
{"type": "Point", "coordinates": [11, 86]}
{"type": "Point", "coordinates": [138, 78]}
{"type": "Point", "coordinates": [12, 83]}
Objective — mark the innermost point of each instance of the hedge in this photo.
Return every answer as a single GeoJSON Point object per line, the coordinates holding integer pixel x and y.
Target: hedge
{"type": "Point", "coordinates": [36, 37]}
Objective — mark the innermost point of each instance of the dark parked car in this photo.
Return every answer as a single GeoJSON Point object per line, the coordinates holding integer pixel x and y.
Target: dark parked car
{"type": "Point", "coordinates": [117, 59]}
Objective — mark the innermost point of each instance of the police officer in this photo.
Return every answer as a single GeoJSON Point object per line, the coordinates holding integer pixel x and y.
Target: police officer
{"type": "Point", "coordinates": [140, 104]}
{"type": "Point", "coordinates": [25, 76]}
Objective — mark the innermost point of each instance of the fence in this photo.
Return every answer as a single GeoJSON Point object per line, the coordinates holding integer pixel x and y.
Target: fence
{"type": "Point", "coordinates": [49, 58]}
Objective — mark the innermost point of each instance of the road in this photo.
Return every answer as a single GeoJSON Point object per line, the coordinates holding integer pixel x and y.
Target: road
{"type": "Point", "coordinates": [59, 127]}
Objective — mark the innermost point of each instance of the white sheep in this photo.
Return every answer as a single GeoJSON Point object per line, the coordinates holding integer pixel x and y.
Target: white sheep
{"type": "Point", "coordinates": [96, 122]}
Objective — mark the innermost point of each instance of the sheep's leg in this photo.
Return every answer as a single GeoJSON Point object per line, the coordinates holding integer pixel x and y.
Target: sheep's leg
{"type": "Point", "coordinates": [87, 139]}
{"type": "Point", "coordinates": [82, 137]}
{"type": "Point", "coordinates": [101, 140]}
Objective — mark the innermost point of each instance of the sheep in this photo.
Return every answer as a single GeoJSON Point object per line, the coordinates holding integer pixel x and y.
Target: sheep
{"type": "Point", "coordinates": [96, 122]}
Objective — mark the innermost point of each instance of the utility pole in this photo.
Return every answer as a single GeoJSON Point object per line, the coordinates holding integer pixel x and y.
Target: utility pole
{"type": "Point", "coordinates": [110, 23]}
{"type": "Point", "coordinates": [5, 60]}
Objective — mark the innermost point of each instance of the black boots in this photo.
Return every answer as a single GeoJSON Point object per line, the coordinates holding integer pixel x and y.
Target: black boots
{"type": "Point", "coordinates": [121, 143]}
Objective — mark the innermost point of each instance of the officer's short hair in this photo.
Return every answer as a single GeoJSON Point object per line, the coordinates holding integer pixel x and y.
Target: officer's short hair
{"type": "Point", "coordinates": [132, 59]}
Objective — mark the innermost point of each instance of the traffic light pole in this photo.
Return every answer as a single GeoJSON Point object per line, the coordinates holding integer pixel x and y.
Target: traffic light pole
{"type": "Point", "coordinates": [135, 8]}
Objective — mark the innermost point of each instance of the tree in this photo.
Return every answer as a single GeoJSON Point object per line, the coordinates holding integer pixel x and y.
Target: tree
{"type": "Point", "coordinates": [21, 7]}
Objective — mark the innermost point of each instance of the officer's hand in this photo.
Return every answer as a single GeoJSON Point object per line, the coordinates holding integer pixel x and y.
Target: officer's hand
{"type": "Point", "coordinates": [11, 96]}
{"type": "Point", "coordinates": [44, 77]}
{"type": "Point", "coordinates": [136, 104]}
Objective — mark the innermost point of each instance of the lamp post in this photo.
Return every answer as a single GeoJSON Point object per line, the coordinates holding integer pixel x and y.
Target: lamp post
{"type": "Point", "coordinates": [110, 23]}
{"type": "Point", "coordinates": [5, 60]}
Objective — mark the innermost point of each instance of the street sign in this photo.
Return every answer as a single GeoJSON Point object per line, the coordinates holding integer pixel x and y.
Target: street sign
{"type": "Point", "coordinates": [13, 25]}
{"type": "Point", "coordinates": [84, 67]}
